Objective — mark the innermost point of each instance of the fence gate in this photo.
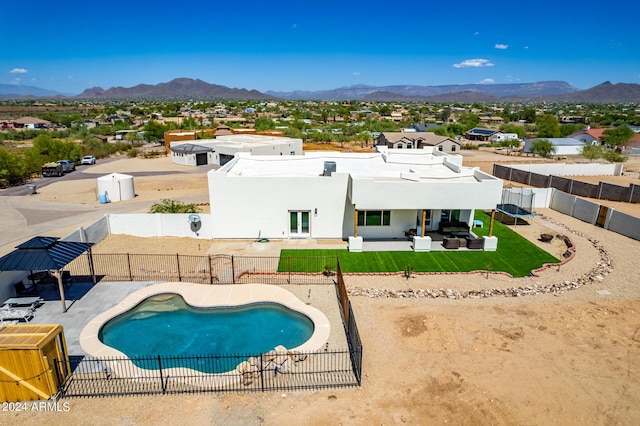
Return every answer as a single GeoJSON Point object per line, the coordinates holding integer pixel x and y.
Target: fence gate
{"type": "Point", "coordinates": [602, 216]}
{"type": "Point", "coordinates": [221, 268]}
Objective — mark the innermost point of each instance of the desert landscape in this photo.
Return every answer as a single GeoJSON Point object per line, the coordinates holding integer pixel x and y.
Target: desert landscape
{"type": "Point", "coordinates": [564, 357]}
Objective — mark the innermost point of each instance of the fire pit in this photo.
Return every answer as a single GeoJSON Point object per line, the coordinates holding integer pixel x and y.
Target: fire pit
{"type": "Point", "coordinates": [545, 238]}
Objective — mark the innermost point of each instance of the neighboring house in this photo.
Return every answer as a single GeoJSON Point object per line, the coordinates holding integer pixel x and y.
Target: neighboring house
{"type": "Point", "coordinates": [491, 119]}
{"type": "Point", "coordinates": [31, 123]}
{"type": "Point", "coordinates": [417, 140]}
{"type": "Point", "coordinates": [480, 134]}
{"type": "Point", "coordinates": [222, 130]}
{"type": "Point", "coordinates": [223, 148]}
{"type": "Point", "coordinates": [589, 136]}
{"type": "Point", "coordinates": [101, 138]}
{"type": "Point", "coordinates": [189, 154]}
{"type": "Point", "coordinates": [563, 146]}
{"type": "Point", "coordinates": [346, 195]}
{"type": "Point", "coordinates": [572, 120]}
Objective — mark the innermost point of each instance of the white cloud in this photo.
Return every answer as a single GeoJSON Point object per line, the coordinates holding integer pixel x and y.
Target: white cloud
{"type": "Point", "coordinates": [476, 33]}
{"type": "Point", "coordinates": [356, 73]}
{"type": "Point", "coordinates": [526, 47]}
{"type": "Point", "coordinates": [487, 81]}
{"type": "Point", "coordinates": [474, 63]}
{"type": "Point", "coordinates": [18, 71]}
{"type": "Point", "coordinates": [294, 26]}
{"type": "Point", "coordinates": [501, 46]}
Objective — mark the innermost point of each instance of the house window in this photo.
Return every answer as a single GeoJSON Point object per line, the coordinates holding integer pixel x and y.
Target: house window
{"type": "Point", "coordinates": [440, 148]}
{"type": "Point", "coordinates": [453, 148]}
{"type": "Point", "coordinates": [374, 218]}
{"type": "Point", "coordinates": [409, 145]}
{"type": "Point", "coordinates": [449, 215]}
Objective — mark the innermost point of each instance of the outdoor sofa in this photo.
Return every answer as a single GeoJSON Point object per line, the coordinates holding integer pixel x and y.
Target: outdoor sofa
{"type": "Point", "coordinates": [447, 227]}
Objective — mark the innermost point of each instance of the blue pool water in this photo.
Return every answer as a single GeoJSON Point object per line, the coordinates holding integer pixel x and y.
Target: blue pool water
{"type": "Point", "coordinates": [166, 325]}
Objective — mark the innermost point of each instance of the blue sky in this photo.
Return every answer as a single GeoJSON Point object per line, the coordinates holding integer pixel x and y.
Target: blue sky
{"type": "Point", "coordinates": [71, 45]}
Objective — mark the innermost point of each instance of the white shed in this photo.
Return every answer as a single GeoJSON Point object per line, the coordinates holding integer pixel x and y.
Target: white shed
{"type": "Point", "coordinates": [115, 187]}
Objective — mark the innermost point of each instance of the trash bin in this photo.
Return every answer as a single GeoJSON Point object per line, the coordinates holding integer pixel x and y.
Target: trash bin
{"type": "Point", "coordinates": [103, 198]}
{"type": "Point", "coordinates": [32, 189]}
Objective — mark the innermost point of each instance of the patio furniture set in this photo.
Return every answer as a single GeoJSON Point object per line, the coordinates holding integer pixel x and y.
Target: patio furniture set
{"type": "Point", "coordinates": [457, 234]}
{"type": "Point", "coordinates": [18, 309]}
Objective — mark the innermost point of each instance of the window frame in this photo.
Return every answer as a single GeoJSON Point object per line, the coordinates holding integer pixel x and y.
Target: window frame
{"type": "Point", "coordinates": [383, 215]}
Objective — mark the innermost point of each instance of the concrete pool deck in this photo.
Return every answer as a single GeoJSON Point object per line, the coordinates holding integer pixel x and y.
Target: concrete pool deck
{"type": "Point", "coordinates": [207, 296]}
{"type": "Point", "coordinates": [85, 301]}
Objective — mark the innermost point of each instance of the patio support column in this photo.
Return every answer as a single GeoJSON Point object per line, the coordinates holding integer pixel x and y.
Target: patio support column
{"type": "Point", "coordinates": [493, 215]}
{"type": "Point", "coordinates": [355, 223]}
{"type": "Point", "coordinates": [424, 219]}
{"type": "Point", "coordinates": [58, 274]}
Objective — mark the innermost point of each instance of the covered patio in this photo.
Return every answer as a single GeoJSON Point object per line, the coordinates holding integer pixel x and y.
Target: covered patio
{"type": "Point", "coordinates": [46, 256]}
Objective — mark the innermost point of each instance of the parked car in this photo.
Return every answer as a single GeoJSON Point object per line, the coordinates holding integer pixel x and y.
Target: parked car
{"type": "Point", "coordinates": [52, 169]}
{"type": "Point", "coordinates": [67, 165]}
{"type": "Point", "coordinates": [88, 159]}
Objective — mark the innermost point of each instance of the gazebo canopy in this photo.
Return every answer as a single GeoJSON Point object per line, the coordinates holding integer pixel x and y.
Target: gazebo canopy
{"type": "Point", "coordinates": [42, 253]}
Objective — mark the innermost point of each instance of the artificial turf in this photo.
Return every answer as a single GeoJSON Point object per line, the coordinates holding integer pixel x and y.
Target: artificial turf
{"type": "Point", "coordinates": [515, 255]}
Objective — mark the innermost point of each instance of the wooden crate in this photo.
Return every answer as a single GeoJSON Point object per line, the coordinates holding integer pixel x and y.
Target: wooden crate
{"type": "Point", "coordinates": [27, 367]}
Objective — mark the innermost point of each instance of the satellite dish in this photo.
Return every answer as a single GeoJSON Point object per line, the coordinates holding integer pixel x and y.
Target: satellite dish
{"type": "Point", "coordinates": [194, 218]}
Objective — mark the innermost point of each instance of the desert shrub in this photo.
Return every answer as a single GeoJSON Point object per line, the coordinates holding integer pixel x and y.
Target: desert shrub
{"type": "Point", "coordinates": [173, 206]}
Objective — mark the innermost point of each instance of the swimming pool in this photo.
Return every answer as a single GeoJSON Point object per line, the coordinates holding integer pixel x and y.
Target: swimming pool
{"type": "Point", "coordinates": [157, 327]}
{"type": "Point", "coordinates": [135, 322]}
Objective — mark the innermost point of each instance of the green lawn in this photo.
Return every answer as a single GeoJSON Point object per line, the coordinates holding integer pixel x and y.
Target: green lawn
{"type": "Point", "coordinates": [515, 255]}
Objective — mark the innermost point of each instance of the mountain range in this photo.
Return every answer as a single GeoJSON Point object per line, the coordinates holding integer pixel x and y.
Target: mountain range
{"type": "Point", "coordinates": [187, 88]}
{"type": "Point", "coordinates": [11, 91]}
{"type": "Point", "coordinates": [179, 88]}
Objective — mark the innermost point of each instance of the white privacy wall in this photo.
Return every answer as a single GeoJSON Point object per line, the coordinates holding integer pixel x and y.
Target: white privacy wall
{"type": "Point", "coordinates": [161, 225]}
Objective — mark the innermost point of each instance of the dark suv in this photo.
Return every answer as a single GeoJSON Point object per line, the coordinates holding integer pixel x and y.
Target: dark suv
{"type": "Point", "coordinates": [67, 165]}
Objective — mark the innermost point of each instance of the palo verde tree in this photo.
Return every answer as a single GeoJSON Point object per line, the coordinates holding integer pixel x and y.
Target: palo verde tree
{"type": "Point", "coordinates": [510, 144]}
{"type": "Point", "coordinates": [592, 152]}
{"type": "Point", "coordinates": [617, 136]}
{"type": "Point", "coordinates": [543, 147]}
{"type": "Point", "coordinates": [548, 126]}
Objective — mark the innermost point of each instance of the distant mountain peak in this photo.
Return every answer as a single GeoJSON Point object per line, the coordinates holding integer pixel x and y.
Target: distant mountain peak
{"type": "Point", "coordinates": [178, 88]}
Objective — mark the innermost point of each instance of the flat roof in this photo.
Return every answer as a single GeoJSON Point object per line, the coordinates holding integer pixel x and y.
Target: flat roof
{"type": "Point", "coordinates": [251, 140]}
{"type": "Point", "coordinates": [397, 166]}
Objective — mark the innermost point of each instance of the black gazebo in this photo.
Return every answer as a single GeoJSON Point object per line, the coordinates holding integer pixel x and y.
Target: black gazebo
{"type": "Point", "coordinates": [45, 254]}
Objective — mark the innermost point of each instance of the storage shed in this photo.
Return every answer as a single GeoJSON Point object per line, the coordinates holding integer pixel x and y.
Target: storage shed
{"type": "Point", "coordinates": [28, 370]}
{"type": "Point", "coordinates": [116, 186]}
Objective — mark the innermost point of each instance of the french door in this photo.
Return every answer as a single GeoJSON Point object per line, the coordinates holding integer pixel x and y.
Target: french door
{"type": "Point", "coordinates": [299, 224]}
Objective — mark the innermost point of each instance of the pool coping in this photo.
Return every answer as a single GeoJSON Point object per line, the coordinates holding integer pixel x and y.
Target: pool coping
{"type": "Point", "coordinates": [207, 296]}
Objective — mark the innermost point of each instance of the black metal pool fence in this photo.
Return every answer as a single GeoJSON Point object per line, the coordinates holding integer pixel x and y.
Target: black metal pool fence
{"type": "Point", "coordinates": [276, 370]}
{"type": "Point", "coordinates": [272, 371]}
{"type": "Point", "coordinates": [211, 269]}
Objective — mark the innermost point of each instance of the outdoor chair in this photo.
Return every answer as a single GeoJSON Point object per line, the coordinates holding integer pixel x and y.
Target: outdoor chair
{"type": "Point", "coordinates": [411, 233]}
{"type": "Point", "coordinates": [474, 243]}
{"type": "Point", "coordinates": [451, 243]}
{"type": "Point", "coordinates": [21, 290]}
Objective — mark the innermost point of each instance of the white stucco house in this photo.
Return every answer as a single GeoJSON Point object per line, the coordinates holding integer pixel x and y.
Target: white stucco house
{"type": "Point", "coordinates": [350, 196]}
{"type": "Point", "coordinates": [223, 148]}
